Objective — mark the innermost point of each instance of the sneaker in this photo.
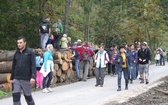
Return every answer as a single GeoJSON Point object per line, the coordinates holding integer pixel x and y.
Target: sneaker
{"type": "Point", "coordinates": [126, 88]}
{"type": "Point", "coordinates": [119, 89]}
{"type": "Point", "coordinates": [37, 87]}
{"type": "Point", "coordinates": [142, 81]}
{"type": "Point", "coordinates": [131, 82]}
{"type": "Point", "coordinates": [147, 81]}
{"type": "Point", "coordinates": [49, 89]}
{"type": "Point", "coordinates": [96, 85]}
{"type": "Point", "coordinates": [45, 90]}
{"type": "Point", "coordinates": [101, 85]}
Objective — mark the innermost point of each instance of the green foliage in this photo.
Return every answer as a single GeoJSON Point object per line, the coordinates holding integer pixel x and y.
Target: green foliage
{"type": "Point", "coordinates": [107, 21]}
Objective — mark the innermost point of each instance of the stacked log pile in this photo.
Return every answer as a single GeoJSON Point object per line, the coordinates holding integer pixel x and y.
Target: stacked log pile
{"type": "Point", "coordinates": [6, 58]}
{"type": "Point", "coordinates": [64, 69]}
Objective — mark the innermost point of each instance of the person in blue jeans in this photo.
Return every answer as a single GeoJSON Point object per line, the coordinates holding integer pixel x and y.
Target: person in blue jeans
{"type": "Point", "coordinates": [48, 66]}
{"type": "Point", "coordinates": [133, 61]}
{"type": "Point", "coordinates": [122, 63]}
{"type": "Point", "coordinates": [77, 61]}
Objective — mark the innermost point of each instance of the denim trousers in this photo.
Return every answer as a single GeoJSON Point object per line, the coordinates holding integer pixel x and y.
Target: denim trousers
{"type": "Point", "coordinates": [49, 76]}
{"type": "Point", "coordinates": [125, 72]}
{"type": "Point", "coordinates": [77, 65]}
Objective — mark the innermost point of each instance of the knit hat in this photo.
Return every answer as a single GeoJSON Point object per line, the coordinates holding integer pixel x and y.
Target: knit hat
{"type": "Point", "coordinates": [144, 43]}
{"type": "Point", "coordinates": [64, 35]}
{"type": "Point", "coordinates": [79, 40]}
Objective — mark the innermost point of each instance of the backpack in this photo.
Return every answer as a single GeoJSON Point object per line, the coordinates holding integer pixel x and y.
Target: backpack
{"type": "Point", "coordinates": [39, 61]}
{"type": "Point", "coordinates": [44, 28]}
{"type": "Point", "coordinates": [86, 55]}
{"type": "Point", "coordinates": [105, 59]}
{"type": "Point", "coordinates": [55, 29]}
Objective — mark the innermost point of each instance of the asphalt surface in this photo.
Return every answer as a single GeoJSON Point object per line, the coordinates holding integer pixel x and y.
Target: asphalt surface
{"type": "Point", "coordinates": [85, 93]}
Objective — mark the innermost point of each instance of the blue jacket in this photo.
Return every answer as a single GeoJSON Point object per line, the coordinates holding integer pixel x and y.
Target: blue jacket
{"type": "Point", "coordinates": [119, 64]}
{"type": "Point", "coordinates": [133, 57]}
{"type": "Point", "coordinates": [48, 55]}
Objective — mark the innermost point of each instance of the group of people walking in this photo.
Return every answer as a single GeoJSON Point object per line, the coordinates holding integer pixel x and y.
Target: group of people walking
{"type": "Point", "coordinates": [130, 60]}
{"type": "Point", "coordinates": [31, 67]}
{"type": "Point", "coordinates": [160, 56]}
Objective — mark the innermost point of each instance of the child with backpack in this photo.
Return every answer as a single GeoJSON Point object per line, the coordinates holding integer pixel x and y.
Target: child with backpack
{"type": "Point", "coordinates": [39, 76]}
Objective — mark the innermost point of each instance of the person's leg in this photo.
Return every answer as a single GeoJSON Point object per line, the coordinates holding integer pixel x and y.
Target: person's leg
{"type": "Point", "coordinates": [102, 75]}
{"type": "Point", "coordinates": [16, 89]}
{"type": "Point", "coordinates": [26, 86]}
{"type": "Point", "coordinates": [156, 62]}
{"type": "Point", "coordinates": [55, 41]}
{"type": "Point", "coordinates": [41, 41]}
{"type": "Point", "coordinates": [141, 68]}
{"type": "Point", "coordinates": [97, 74]}
{"type": "Point", "coordinates": [86, 66]}
{"type": "Point", "coordinates": [132, 75]}
{"type": "Point", "coordinates": [119, 72]}
{"type": "Point", "coordinates": [81, 69]}
{"type": "Point", "coordinates": [109, 68]}
{"type": "Point", "coordinates": [49, 79]}
{"type": "Point", "coordinates": [133, 72]}
{"type": "Point", "coordinates": [126, 77]}
{"type": "Point", "coordinates": [40, 80]}
{"type": "Point", "coordinates": [44, 82]}
{"type": "Point", "coordinates": [37, 79]}
{"type": "Point", "coordinates": [58, 41]}
{"type": "Point", "coordinates": [46, 37]}
{"type": "Point", "coordinates": [146, 73]}
{"type": "Point", "coordinates": [137, 70]}
{"type": "Point", "coordinates": [161, 58]}
{"type": "Point", "coordinates": [164, 61]}
{"type": "Point", "coordinates": [129, 73]}
{"type": "Point", "coordinates": [113, 69]}
{"type": "Point", "coordinates": [77, 67]}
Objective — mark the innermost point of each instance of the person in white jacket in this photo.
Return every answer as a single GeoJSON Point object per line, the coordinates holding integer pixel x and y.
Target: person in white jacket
{"type": "Point", "coordinates": [101, 59]}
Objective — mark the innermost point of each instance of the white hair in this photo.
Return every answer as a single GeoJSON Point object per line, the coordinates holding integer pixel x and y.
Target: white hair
{"type": "Point", "coordinates": [48, 46]}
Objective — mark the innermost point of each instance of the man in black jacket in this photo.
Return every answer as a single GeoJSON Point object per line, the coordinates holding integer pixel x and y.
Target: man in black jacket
{"type": "Point", "coordinates": [144, 57]}
{"type": "Point", "coordinates": [23, 72]}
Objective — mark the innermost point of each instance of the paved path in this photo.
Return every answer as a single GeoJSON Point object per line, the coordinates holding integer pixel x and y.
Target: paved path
{"type": "Point", "coordinates": [85, 93]}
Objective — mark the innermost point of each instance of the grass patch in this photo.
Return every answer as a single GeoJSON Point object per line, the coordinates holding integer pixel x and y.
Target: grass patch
{"type": "Point", "coordinates": [3, 94]}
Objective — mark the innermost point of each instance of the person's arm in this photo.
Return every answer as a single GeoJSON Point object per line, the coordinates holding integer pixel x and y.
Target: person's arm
{"type": "Point", "coordinates": [139, 56]}
{"type": "Point", "coordinates": [13, 67]}
{"type": "Point", "coordinates": [106, 58]}
{"type": "Point", "coordinates": [91, 52]}
{"type": "Point", "coordinates": [33, 65]}
{"type": "Point", "coordinates": [45, 60]}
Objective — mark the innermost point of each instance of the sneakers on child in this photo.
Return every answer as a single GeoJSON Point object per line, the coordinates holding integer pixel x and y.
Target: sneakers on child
{"type": "Point", "coordinates": [49, 89]}
{"type": "Point", "coordinates": [45, 90]}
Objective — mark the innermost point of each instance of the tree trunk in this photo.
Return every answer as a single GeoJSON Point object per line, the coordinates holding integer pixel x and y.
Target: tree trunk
{"type": "Point", "coordinates": [67, 15]}
{"type": "Point", "coordinates": [54, 80]}
{"type": "Point", "coordinates": [4, 78]}
{"type": "Point", "coordinates": [62, 78]}
{"type": "Point", "coordinates": [58, 61]}
{"type": "Point", "coordinates": [59, 72]}
{"type": "Point", "coordinates": [64, 66]}
{"type": "Point", "coordinates": [57, 55]}
{"type": "Point", "coordinates": [5, 67]}
{"type": "Point", "coordinates": [56, 66]}
{"type": "Point", "coordinates": [6, 55]}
